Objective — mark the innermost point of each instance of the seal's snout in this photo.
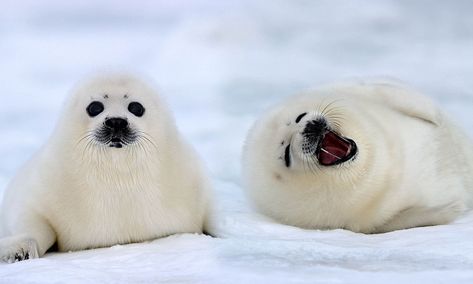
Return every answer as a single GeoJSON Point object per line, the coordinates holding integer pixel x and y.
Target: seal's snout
{"type": "Point", "coordinates": [116, 132]}
{"type": "Point", "coordinates": [116, 123]}
{"type": "Point", "coordinates": [315, 128]}
{"type": "Point", "coordinates": [312, 134]}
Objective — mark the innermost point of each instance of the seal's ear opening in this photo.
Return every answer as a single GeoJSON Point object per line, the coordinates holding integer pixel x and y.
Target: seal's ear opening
{"type": "Point", "coordinates": [333, 149]}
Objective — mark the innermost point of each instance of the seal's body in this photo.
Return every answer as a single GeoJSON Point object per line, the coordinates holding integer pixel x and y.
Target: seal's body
{"type": "Point", "coordinates": [365, 156]}
{"type": "Point", "coordinates": [115, 171]}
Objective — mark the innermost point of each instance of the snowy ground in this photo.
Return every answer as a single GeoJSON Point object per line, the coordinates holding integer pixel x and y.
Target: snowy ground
{"type": "Point", "coordinates": [219, 63]}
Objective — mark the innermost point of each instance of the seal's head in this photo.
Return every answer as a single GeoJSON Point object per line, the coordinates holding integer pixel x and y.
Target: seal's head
{"type": "Point", "coordinates": [318, 142]}
{"type": "Point", "coordinates": [315, 140]}
{"type": "Point", "coordinates": [118, 115]}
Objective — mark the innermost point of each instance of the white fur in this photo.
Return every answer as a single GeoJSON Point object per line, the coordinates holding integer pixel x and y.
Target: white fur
{"type": "Point", "coordinates": [83, 195]}
{"type": "Point", "coordinates": [413, 168]}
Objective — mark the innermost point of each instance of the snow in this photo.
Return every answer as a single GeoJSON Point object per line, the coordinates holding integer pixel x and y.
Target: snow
{"type": "Point", "coordinates": [219, 64]}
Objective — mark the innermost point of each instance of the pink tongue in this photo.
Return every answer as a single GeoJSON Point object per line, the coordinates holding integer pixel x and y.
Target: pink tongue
{"type": "Point", "coordinates": [333, 148]}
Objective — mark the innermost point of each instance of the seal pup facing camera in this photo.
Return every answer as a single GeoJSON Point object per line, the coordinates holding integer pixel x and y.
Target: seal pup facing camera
{"type": "Point", "coordinates": [114, 171]}
{"type": "Point", "coordinates": [369, 157]}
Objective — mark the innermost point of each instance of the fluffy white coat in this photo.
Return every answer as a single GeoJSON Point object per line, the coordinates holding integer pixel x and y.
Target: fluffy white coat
{"type": "Point", "coordinates": [82, 194]}
{"type": "Point", "coordinates": [413, 167]}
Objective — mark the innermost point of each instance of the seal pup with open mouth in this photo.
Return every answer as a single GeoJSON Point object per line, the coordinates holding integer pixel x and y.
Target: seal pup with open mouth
{"type": "Point", "coordinates": [114, 171]}
{"type": "Point", "coordinates": [364, 156]}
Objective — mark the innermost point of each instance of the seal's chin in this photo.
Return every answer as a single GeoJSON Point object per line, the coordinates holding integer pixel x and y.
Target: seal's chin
{"type": "Point", "coordinates": [334, 149]}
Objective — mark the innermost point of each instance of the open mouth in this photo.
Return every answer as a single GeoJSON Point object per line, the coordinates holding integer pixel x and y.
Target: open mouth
{"type": "Point", "coordinates": [334, 149]}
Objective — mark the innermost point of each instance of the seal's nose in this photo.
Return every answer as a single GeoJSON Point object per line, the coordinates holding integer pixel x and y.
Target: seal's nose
{"type": "Point", "coordinates": [116, 123]}
{"type": "Point", "coordinates": [316, 127]}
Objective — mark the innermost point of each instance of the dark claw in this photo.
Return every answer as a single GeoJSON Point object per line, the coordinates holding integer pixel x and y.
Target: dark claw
{"type": "Point", "coordinates": [27, 255]}
{"type": "Point", "coordinates": [18, 257]}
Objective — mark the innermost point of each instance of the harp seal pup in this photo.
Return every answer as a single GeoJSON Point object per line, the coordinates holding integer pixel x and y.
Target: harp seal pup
{"type": "Point", "coordinates": [115, 171]}
{"type": "Point", "coordinates": [367, 156]}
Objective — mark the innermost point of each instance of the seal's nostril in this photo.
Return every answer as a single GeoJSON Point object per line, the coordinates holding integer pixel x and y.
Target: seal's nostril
{"type": "Point", "coordinates": [315, 127]}
{"type": "Point", "coordinates": [123, 123]}
{"type": "Point", "coordinates": [116, 123]}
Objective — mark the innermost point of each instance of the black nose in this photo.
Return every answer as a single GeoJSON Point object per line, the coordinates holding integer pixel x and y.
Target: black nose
{"type": "Point", "coordinates": [315, 127]}
{"type": "Point", "coordinates": [116, 123]}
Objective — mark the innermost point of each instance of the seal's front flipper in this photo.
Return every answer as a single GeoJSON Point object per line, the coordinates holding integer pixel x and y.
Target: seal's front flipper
{"type": "Point", "coordinates": [29, 238]}
{"type": "Point", "coordinates": [18, 248]}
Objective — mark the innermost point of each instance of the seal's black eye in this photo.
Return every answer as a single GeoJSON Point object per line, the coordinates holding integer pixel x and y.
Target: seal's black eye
{"type": "Point", "coordinates": [95, 108]}
{"type": "Point", "coordinates": [300, 117]}
{"type": "Point", "coordinates": [136, 109]}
